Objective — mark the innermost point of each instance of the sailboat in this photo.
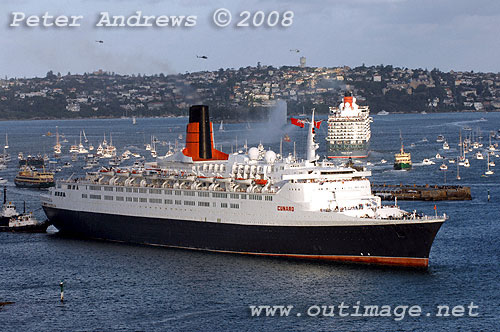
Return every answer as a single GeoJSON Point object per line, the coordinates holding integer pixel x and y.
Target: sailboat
{"type": "Point", "coordinates": [104, 142]}
{"type": "Point", "coordinates": [491, 147]}
{"type": "Point", "coordinates": [110, 150]}
{"type": "Point", "coordinates": [100, 150]}
{"type": "Point", "coordinates": [488, 170]}
{"type": "Point", "coordinates": [57, 147]}
{"type": "Point", "coordinates": [221, 127]}
{"type": "Point", "coordinates": [134, 121]}
{"type": "Point", "coordinates": [5, 157]}
{"type": "Point", "coordinates": [81, 148]}
{"type": "Point", "coordinates": [6, 141]}
{"type": "Point", "coordinates": [85, 137]}
{"type": "Point", "coordinates": [458, 169]}
{"type": "Point", "coordinates": [153, 147]}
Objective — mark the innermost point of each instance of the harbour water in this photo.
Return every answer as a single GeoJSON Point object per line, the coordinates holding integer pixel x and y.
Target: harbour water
{"type": "Point", "coordinates": [119, 287]}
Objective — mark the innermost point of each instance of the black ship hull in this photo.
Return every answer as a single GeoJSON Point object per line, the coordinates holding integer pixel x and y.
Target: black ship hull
{"type": "Point", "coordinates": [31, 184]}
{"type": "Point", "coordinates": [396, 245]}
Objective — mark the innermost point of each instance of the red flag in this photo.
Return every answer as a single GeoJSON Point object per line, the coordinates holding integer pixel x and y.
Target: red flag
{"type": "Point", "coordinates": [317, 123]}
{"type": "Point", "coordinates": [297, 122]}
{"type": "Point", "coordinates": [435, 207]}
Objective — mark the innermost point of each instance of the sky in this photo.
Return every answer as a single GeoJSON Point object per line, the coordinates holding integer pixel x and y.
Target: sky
{"type": "Point", "coordinates": [449, 35]}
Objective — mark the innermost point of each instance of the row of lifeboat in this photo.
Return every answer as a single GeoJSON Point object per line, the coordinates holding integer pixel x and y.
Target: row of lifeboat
{"type": "Point", "coordinates": [183, 177]}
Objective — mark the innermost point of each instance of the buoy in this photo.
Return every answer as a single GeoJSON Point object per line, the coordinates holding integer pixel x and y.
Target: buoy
{"type": "Point", "coordinates": [61, 284]}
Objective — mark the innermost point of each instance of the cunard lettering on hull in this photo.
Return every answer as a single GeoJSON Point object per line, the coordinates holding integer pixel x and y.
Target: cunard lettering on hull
{"type": "Point", "coordinates": [286, 208]}
{"type": "Point", "coordinates": [258, 202]}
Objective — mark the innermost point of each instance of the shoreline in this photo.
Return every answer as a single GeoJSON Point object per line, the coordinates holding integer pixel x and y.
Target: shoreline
{"type": "Point", "coordinates": [226, 121]}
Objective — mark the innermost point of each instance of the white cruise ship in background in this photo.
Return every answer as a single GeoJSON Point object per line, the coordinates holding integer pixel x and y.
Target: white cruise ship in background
{"type": "Point", "coordinates": [255, 203]}
{"type": "Point", "coordinates": [348, 130]}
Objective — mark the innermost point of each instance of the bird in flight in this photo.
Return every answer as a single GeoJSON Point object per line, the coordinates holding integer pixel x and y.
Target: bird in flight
{"type": "Point", "coordinates": [295, 50]}
{"type": "Point", "coordinates": [202, 57]}
{"type": "Point", "coordinates": [99, 41]}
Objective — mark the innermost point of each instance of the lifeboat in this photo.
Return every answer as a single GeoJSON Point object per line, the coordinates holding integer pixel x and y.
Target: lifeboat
{"type": "Point", "coordinates": [105, 171]}
{"type": "Point", "coordinates": [152, 173]}
{"type": "Point", "coordinates": [208, 179]}
{"type": "Point", "coordinates": [123, 172]}
{"type": "Point", "coordinates": [136, 173]}
{"type": "Point", "coordinates": [221, 179]}
{"type": "Point", "coordinates": [187, 178]}
{"type": "Point", "coordinates": [260, 182]}
{"type": "Point", "coordinates": [246, 182]}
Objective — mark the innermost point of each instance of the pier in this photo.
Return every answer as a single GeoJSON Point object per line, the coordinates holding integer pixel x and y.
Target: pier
{"type": "Point", "coordinates": [421, 192]}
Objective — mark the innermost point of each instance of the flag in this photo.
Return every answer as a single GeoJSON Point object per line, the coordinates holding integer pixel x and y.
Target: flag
{"type": "Point", "coordinates": [317, 123]}
{"type": "Point", "coordinates": [435, 208]}
{"type": "Point", "coordinates": [298, 122]}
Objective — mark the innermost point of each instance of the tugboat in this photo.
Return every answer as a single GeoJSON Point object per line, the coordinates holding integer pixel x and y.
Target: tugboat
{"type": "Point", "coordinates": [12, 221]}
{"type": "Point", "coordinates": [8, 210]}
{"type": "Point", "coordinates": [30, 178]}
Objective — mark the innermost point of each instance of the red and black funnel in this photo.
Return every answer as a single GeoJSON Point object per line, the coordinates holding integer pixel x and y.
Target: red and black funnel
{"type": "Point", "coordinates": [199, 136]}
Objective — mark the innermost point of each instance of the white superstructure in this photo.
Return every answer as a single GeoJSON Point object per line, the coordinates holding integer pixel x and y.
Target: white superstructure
{"type": "Point", "coordinates": [259, 187]}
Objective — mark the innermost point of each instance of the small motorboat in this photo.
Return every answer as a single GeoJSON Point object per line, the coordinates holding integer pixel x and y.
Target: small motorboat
{"type": "Point", "coordinates": [12, 221]}
{"type": "Point", "coordinates": [26, 223]}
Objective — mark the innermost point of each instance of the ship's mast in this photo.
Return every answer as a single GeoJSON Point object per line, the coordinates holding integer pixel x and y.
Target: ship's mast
{"type": "Point", "coordinates": [401, 140]}
{"type": "Point", "coordinates": [312, 146]}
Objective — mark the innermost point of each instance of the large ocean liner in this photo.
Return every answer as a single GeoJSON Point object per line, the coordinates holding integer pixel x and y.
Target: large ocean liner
{"type": "Point", "coordinates": [256, 203]}
{"type": "Point", "coordinates": [349, 129]}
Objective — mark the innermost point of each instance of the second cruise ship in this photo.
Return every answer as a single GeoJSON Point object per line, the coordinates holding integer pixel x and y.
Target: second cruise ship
{"type": "Point", "coordinates": [348, 129]}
